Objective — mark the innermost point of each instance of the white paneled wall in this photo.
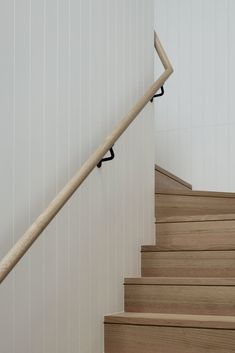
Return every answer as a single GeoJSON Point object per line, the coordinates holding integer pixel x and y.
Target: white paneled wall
{"type": "Point", "coordinates": [195, 121]}
{"type": "Point", "coordinates": [70, 69]}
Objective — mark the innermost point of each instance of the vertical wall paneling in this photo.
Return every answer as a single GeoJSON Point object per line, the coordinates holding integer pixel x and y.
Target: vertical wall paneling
{"type": "Point", "coordinates": [6, 144]}
{"type": "Point", "coordinates": [36, 111]}
{"type": "Point", "coordinates": [70, 69]}
{"type": "Point", "coordinates": [21, 169]}
{"type": "Point", "coordinates": [194, 123]}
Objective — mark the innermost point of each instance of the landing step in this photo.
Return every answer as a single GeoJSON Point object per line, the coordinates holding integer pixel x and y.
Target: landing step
{"type": "Point", "coordinates": [173, 320]}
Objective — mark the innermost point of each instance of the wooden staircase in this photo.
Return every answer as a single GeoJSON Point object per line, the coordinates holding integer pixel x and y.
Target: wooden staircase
{"type": "Point", "coordinates": [185, 300]}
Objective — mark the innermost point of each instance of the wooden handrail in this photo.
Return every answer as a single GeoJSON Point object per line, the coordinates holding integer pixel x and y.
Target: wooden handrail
{"type": "Point", "coordinates": [25, 242]}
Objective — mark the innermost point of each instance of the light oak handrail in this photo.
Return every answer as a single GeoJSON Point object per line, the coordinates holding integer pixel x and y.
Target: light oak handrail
{"type": "Point", "coordinates": [25, 242]}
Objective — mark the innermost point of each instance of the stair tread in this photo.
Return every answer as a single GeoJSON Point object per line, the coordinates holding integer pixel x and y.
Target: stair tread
{"type": "Point", "coordinates": [173, 320]}
{"type": "Point", "coordinates": [197, 218]}
{"type": "Point", "coordinates": [197, 193]}
{"type": "Point", "coordinates": [156, 248]}
{"type": "Point", "coordinates": [191, 281]}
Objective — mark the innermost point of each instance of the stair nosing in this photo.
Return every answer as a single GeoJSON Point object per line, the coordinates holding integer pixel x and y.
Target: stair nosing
{"type": "Point", "coordinates": [154, 248]}
{"type": "Point", "coordinates": [197, 193]}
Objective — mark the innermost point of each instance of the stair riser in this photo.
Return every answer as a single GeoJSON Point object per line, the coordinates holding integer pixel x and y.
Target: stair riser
{"type": "Point", "coordinates": [154, 339]}
{"type": "Point", "coordinates": [214, 235]}
{"type": "Point", "coordinates": [206, 300]}
{"type": "Point", "coordinates": [178, 208]}
{"type": "Point", "coordinates": [188, 264]}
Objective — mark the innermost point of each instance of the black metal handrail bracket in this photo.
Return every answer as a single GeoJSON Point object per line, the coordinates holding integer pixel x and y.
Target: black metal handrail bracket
{"type": "Point", "coordinates": [112, 155]}
{"type": "Point", "coordinates": [158, 94]}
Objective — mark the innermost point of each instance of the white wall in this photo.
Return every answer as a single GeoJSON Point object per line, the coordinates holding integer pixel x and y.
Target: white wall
{"type": "Point", "coordinates": [69, 71]}
{"type": "Point", "coordinates": [195, 121]}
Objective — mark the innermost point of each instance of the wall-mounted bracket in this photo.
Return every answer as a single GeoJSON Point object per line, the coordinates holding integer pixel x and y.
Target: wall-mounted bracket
{"type": "Point", "coordinates": [112, 155]}
{"type": "Point", "coordinates": [158, 94]}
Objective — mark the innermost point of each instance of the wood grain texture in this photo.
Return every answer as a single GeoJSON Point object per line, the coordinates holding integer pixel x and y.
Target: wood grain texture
{"type": "Point", "coordinates": [173, 320]}
{"type": "Point", "coordinates": [180, 299]}
{"type": "Point", "coordinates": [191, 281]}
{"type": "Point", "coordinates": [198, 193]}
{"type": "Point", "coordinates": [176, 208]}
{"type": "Point", "coordinates": [207, 235]}
{"type": "Point", "coordinates": [188, 264]}
{"type": "Point", "coordinates": [194, 281]}
{"type": "Point", "coordinates": [155, 339]}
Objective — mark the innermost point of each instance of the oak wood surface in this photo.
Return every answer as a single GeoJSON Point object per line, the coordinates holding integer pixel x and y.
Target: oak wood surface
{"type": "Point", "coordinates": [192, 281]}
{"type": "Point", "coordinates": [176, 208]}
{"type": "Point", "coordinates": [173, 320]}
{"type": "Point", "coordinates": [207, 235]}
{"type": "Point", "coordinates": [198, 193]}
{"type": "Point", "coordinates": [184, 303]}
{"type": "Point", "coordinates": [181, 299]}
{"type": "Point", "coordinates": [188, 263]}
{"type": "Point", "coordinates": [156, 339]}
